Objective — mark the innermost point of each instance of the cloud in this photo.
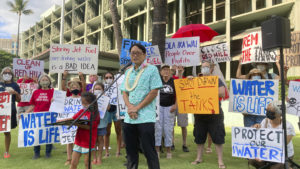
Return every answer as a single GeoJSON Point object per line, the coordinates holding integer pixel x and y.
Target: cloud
{"type": "Point", "coordinates": [9, 20]}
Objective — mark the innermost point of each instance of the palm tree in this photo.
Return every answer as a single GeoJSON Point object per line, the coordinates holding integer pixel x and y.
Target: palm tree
{"type": "Point", "coordinates": [116, 24]}
{"type": "Point", "coordinates": [19, 7]}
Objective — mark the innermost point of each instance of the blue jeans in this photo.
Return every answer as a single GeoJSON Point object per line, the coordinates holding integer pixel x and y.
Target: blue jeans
{"type": "Point", "coordinates": [250, 120]}
{"type": "Point", "coordinates": [37, 149]}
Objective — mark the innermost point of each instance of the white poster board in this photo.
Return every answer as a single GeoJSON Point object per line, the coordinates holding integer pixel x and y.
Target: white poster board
{"type": "Point", "coordinates": [293, 106]}
{"type": "Point", "coordinates": [103, 102]}
{"type": "Point", "coordinates": [112, 93]}
{"type": "Point", "coordinates": [218, 51]}
{"type": "Point", "coordinates": [31, 68]}
{"type": "Point", "coordinates": [57, 105]}
{"type": "Point", "coordinates": [182, 51]}
{"type": "Point", "coordinates": [73, 58]}
{"type": "Point", "coordinates": [5, 112]}
{"type": "Point", "coordinates": [27, 90]}
{"type": "Point", "coordinates": [252, 96]}
{"type": "Point", "coordinates": [153, 55]}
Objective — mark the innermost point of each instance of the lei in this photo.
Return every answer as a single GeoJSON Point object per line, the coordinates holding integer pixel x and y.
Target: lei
{"type": "Point", "coordinates": [127, 87]}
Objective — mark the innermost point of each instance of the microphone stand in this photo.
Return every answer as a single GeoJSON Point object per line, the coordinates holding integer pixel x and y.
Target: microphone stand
{"type": "Point", "coordinates": [121, 72]}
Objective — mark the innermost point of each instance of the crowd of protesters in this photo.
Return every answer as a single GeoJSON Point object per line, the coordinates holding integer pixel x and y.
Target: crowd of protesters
{"type": "Point", "coordinates": [140, 131]}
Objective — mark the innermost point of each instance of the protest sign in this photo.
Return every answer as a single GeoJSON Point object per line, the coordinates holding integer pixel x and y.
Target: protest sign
{"type": "Point", "coordinates": [126, 44]}
{"type": "Point", "coordinates": [73, 58]}
{"type": "Point", "coordinates": [26, 90]}
{"type": "Point", "coordinates": [264, 144]}
{"type": "Point", "coordinates": [57, 104]}
{"type": "Point", "coordinates": [252, 50]}
{"type": "Point", "coordinates": [293, 106]}
{"type": "Point", "coordinates": [112, 93]}
{"type": "Point", "coordinates": [103, 103]}
{"type": "Point", "coordinates": [252, 96]}
{"type": "Point", "coordinates": [182, 51]}
{"type": "Point", "coordinates": [218, 51]}
{"type": "Point", "coordinates": [198, 95]}
{"type": "Point", "coordinates": [35, 130]}
{"type": "Point", "coordinates": [71, 107]}
{"type": "Point", "coordinates": [31, 68]}
{"type": "Point", "coordinates": [5, 112]}
{"type": "Point", "coordinates": [153, 55]}
{"type": "Point", "coordinates": [292, 54]}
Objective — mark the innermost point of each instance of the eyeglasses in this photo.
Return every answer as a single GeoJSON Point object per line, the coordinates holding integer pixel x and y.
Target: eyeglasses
{"type": "Point", "coordinates": [136, 53]}
{"type": "Point", "coordinates": [108, 77]}
{"type": "Point", "coordinates": [7, 73]}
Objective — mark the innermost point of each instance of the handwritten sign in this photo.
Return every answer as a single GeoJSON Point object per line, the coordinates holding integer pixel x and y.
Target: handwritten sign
{"type": "Point", "coordinates": [293, 106]}
{"type": "Point", "coordinates": [218, 51]}
{"type": "Point", "coordinates": [26, 90]}
{"type": "Point", "coordinates": [292, 54]}
{"type": "Point", "coordinates": [71, 107]}
{"type": "Point", "coordinates": [126, 44]}
{"type": "Point", "coordinates": [74, 58]}
{"type": "Point", "coordinates": [5, 112]}
{"type": "Point", "coordinates": [252, 96]}
{"type": "Point", "coordinates": [57, 104]}
{"type": "Point", "coordinates": [182, 51]}
{"type": "Point", "coordinates": [34, 129]}
{"type": "Point", "coordinates": [31, 68]}
{"type": "Point", "coordinates": [264, 144]}
{"type": "Point", "coordinates": [252, 50]}
{"type": "Point", "coordinates": [103, 102]}
{"type": "Point", "coordinates": [153, 56]}
{"type": "Point", "coordinates": [112, 93]}
{"type": "Point", "coordinates": [198, 95]}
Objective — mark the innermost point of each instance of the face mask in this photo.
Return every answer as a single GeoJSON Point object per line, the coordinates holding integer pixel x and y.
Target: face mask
{"type": "Point", "coordinates": [262, 68]}
{"type": "Point", "coordinates": [44, 83]}
{"type": "Point", "coordinates": [108, 81]}
{"type": "Point", "coordinates": [97, 92]}
{"type": "Point", "coordinates": [255, 77]}
{"type": "Point", "coordinates": [75, 92]}
{"type": "Point", "coordinates": [7, 77]}
{"type": "Point", "coordinates": [270, 115]}
{"type": "Point", "coordinates": [205, 70]}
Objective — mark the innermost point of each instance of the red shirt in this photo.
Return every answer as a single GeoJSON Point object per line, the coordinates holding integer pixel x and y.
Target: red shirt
{"type": "Point", "coordinates": [82, 137]}
{"type": "Point", "coordinates": [41, 99]}
{"type": "Point", "coordinates": [23, 104]}
{"type": "Point", "coordinates": [176, 77]}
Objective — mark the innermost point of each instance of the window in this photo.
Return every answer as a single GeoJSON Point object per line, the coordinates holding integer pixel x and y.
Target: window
{"type": "Point", "coordinates": [240, 6]}
{"type": "Point", "coordinates": [13, 45]}
{"type": "Point", "coordinates": [275, 2]}
{"type": "Point", "coordinates": [260, 4]}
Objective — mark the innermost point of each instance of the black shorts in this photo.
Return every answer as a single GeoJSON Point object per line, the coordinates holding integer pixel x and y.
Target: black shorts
{"type": "Point", "coordinates": [212, 124]}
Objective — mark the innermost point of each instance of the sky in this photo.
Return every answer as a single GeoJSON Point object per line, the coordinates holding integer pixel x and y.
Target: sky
{"type": "Point", "coordinates": [9, 20]}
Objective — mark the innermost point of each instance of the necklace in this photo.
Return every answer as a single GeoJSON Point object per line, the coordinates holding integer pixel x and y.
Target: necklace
{"type": "Point", "coordinates": [135, 81]}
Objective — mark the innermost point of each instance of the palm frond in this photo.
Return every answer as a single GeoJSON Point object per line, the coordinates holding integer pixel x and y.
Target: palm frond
{"type": "Point", "coordinates": [27, 12]}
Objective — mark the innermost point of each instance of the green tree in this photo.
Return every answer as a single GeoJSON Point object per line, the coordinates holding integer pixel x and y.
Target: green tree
{"type": "Point", "coordinates": [6, 59]}
{"type": "Point", "coordinates": [19, 7]}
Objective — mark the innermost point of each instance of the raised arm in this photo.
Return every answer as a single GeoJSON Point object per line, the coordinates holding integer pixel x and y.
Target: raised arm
{"type": "Point", "coordinates": [239, 70]}
{"type": "Point", "coordinates": [63, 82]}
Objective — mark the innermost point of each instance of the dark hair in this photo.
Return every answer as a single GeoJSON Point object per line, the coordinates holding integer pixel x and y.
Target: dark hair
{"type": "Point", "coordinates": [109, 73]}
{"type": "Point", "coordinates": [99, 84]}
{"type": "Point", "coordinates": [90, 97]}
{"type": "Point", "coordinates": [139, 46]}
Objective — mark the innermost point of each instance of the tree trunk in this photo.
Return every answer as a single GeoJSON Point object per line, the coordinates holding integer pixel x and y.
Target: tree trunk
{"type": "Point", "coordinates": [159, 25]}
{"type": "Point", "coordinates": [18, 46]}
{"type": "Point", "coordinates": [116, 24]}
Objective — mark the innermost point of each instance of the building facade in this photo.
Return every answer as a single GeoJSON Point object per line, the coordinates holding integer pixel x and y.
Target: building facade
{"type": "Point", "coordinates": [9, 45]}
{"type": "Point", "coordinates": [89, 22]}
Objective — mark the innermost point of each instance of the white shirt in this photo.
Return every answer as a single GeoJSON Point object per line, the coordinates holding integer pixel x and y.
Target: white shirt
{"type": "Point", "coordinates": [289, 130]}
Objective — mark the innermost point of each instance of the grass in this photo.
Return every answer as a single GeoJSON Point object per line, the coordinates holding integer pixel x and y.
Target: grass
{"type": "Point", "coordinates": [21, 158]}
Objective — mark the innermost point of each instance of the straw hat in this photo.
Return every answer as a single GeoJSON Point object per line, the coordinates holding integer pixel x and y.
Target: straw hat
{"type": "Point", "coordinates": [74, 80]}
{"type": "Point", "coordinates": [254, 71]}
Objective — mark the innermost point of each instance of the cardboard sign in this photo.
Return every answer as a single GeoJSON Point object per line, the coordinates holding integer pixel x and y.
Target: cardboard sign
{"type": "Point", "coordinates": [264, 144]}
{"type": "Point", "coordinates": [153, 56]}
{"type": "Point", "coordinates": [292, 54]}
{"type": "Point", "coordinates": [126, 44]}
{"type": "Point", "coordinates": [73, 58]}
{"type": "Point", "coordinates": [218, 51]}
{"type": "Point", "coordinates": [198, 95]}
{"type": "Point", "coordinates": [252, 96]}
{"type": "Point", "coordinates": [112, 93]}
{"type": "Point", "coordinates": [31, 68]}
{"type": "Point", "coordinates": [103, 103]}
{"type": "Point", "coordinates": [293, 106]}
{"type": "Point", "coordinates": [5, 112]}
{"type": "Point", "coordinates": [252, 50]}
{"type": "Point", "coordinates": [34, 129]}
{"type": "Point", "coordinates": [182, 51]}
{"type": "Point", "coordinates": [71, 107]}
{"type": "Point", "coordinates": [26, 90]}
{"type": "Point", "coordinates": [57, 104]}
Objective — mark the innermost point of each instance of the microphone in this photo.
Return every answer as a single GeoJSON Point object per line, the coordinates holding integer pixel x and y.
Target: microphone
{"type": "Point", "coordinates": [126, 66]}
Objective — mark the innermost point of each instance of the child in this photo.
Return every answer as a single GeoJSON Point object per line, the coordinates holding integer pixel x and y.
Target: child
{"type": "Point", "coordinates": [101, 131]}
{"type": "Point", "coordinates": [81, 144]}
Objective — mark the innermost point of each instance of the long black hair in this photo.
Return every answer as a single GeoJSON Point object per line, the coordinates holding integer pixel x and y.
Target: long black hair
{"type": "Point", "coordinates": [90, 97]}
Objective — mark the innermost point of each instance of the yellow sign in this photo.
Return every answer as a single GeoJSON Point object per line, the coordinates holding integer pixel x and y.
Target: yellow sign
{"type": "Point", "coordinates": [198, 95]}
